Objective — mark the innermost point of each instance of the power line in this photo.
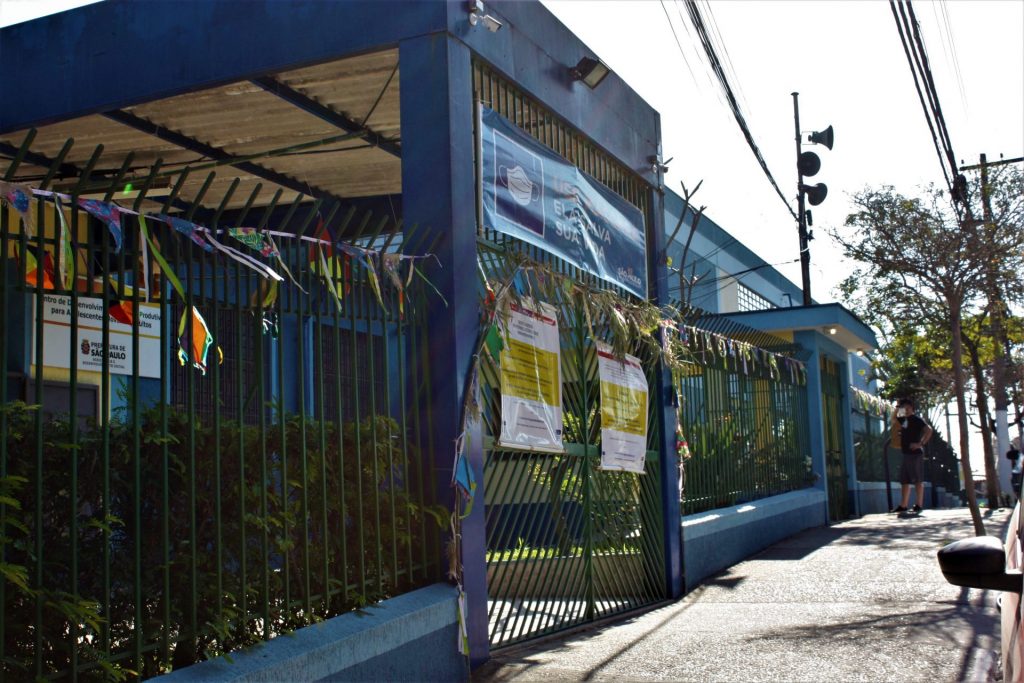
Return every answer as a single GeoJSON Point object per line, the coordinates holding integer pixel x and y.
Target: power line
{"type": "Point", "coordinates": [716, 66]}
{"type": "Point", "coordinates": [913, 47]}
{"type": "Point", "coordinates": [679, 44]}
{"type": "Point", "coordinates": [946, 30]}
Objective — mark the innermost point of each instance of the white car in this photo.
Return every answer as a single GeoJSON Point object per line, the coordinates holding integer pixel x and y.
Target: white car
{"type": "Point", "coordinates": [986, 562]}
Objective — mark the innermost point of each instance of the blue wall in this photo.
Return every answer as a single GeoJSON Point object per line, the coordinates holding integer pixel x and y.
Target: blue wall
{"type": "Point", "coordinates": [413, 637]}
{"type": "Point", "coordinates": [715, 252]}
{"type": "Point", "coordinates": [720, 538]}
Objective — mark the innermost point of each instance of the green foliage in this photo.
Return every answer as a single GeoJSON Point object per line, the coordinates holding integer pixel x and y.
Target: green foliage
{"type": "Point", "coordinates": [735, 459]}
{"type": "Point", "coordinates": [318, 520]}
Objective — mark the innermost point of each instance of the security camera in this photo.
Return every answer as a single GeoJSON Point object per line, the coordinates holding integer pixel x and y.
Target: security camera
{"type": "Point", "coordinates": [492, 24]}
{"type": "Point", "coordinates": [477, 16]}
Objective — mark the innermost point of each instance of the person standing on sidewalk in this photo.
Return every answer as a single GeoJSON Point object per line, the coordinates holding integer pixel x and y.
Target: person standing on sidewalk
{"type": "Point", "coordinates": [914, 434]}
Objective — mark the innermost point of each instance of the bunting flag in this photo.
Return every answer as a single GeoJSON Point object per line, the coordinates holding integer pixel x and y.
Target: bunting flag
{"type": "Point", "coordinates": [194, 341]}
{"type": "Point", "coordinates": [263, 269]}
{"type": "Point", "coordinates": [264, 297]}
{"type": "Point", "coordinates": [20, 197]}
{"type": "Point", "coordinates": [392, 263]}
{"type": "Point", "coordinates": [462, 476]}
{"type": "Point", "coordinates": [332, 267]}
{"type": "Point", "coordinates": [254, 239]}
{"type": "Point", "coordinates": [326, 272]}
{"type": "Point", "coordinates": [371, 273]}
{"type": "Point", "coordinates": [869, 403]}
{"type": "Point", "coordinates": [714, 347]}
{"type": "Point", "coordinates": [32, 269]}
{"type": "Point", "coordinates": [122, 311]}
{"type": "Point", "coordinates": [109, 213]}
{"type": "Point", "coordinates": [65, 265]}
{"type": "Point", "coordinates": [331, 259]}
{"type": "Point", "coordinates": [187, 228]}
{"type": "Point", "coordinates": [165, 268]}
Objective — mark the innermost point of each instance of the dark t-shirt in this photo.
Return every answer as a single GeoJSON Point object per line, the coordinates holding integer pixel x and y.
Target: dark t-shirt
{"type": "Point", "coordinates": [911, 430]}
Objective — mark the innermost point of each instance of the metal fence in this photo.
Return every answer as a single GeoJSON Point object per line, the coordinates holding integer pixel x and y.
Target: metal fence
{"type": "Point", "coordinates": [567, 542]}
{"type": "Point", "coordinates": [874, 452]}
{"type": "Point", "coordinates": [154, 515]}
{"type": "Point", "coordinates": [745, 425]}
{"type": "Point", "coordinates": [746, 434]}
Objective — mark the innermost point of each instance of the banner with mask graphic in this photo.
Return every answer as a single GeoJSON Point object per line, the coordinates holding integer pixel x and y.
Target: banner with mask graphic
{"type": "Point", "coordinates": [623, 411]}
{"type": "Point", "coordinates": [533, 194]}
{"type": "Point", "coordinates": [531, 384]}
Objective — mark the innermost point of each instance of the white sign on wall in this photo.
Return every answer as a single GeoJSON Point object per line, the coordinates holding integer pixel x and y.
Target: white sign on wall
{"type": "Point", "coordinates": [531, 384]}
{"type": "Point", "coordinates": [89, 350]}
{"type": "Point", "coordinates": [623, 411]}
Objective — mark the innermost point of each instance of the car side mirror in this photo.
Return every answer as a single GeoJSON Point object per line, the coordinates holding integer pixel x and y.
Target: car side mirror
{"type": "Point", "coordinates": [979, 562]}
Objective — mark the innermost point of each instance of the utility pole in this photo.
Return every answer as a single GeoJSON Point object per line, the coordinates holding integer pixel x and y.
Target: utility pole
{"type": "Point", "coordinates": [807, 164]}
{"type": "Point", "coordinates": [996, 306]}
{"type": "Point", "coordinates": [805, 247]}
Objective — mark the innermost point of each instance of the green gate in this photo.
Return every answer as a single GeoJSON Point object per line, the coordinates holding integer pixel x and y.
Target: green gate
{"type": "Point", "coordinates": [835, 449]}
{"type": "Point", "coordinates": [567, 543]}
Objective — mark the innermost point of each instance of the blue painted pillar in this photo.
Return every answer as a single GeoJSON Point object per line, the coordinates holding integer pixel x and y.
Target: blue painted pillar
{"type": "Point", "coordinates": [664, 394]}
{"type": "Point", "coordinates": [815, 413]}
{"type": "Point", "coordinates": [439, 194]}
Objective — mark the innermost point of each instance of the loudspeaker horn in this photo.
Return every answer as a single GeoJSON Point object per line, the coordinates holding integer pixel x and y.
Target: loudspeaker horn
{"type": "Point", "coordinates": [823, 137]}
{"type": "Point", "coordinates": [815, 193]}
{"type": "Point", "coordinates": [808, 164]}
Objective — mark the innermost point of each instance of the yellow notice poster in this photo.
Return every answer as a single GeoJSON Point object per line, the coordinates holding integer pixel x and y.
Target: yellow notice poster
{"type": "Point", "coordinates": [623, 411]}
{"type": "Point", "coordinates": [531, 383]}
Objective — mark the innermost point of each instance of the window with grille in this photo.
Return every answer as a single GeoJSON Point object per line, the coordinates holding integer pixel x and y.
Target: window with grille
{"type": "Point", "coordinates": [749, 300]}
{"type": "Point", "coordinates": [352, 373]}
{"type": "Point", "coordinates": [239, 333]}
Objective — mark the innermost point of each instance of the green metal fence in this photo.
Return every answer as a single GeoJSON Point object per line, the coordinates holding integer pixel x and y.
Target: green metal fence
{"type": "Point", "coordinates": [834, 422]}
{"type": "Point", "coordinates": [567, 542]}
{"type": "Point", "coordinates": [153, 515]}
{"type": "Point", "coordinates": [873, 452]}
{"type": "Point", "coordinates": [746, 435]}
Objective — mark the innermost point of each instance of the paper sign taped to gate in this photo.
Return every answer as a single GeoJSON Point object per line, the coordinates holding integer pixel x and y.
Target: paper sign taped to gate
{"type": "Point", "coordinates": [623, 411]}
{"type": "Point", "coordinates": [531, 383]}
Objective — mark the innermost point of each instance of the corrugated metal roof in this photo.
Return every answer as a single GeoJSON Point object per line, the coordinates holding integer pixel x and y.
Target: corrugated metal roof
{"type": "Point", "coordinates": [245, 120]}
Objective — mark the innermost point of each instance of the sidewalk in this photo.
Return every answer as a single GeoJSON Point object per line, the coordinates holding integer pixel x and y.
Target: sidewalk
{"type": "Point", "coordinates": [859, 601]}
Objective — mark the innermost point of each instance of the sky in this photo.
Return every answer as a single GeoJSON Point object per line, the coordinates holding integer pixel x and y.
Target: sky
{"type": "Point", "coordinates": [847, 63]}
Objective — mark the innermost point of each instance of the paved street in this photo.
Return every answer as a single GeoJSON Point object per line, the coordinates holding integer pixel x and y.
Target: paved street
{"type": "Point", "coordinates": [860, 601]}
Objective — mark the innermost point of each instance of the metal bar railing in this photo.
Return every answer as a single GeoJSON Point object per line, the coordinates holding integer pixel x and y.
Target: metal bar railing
{"type": "Point", "coordinates": [161, 515]}
{"type": "Point", "coordinates": [746, 436]}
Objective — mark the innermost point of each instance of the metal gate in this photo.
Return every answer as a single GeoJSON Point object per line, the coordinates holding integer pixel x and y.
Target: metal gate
{"type": "Point", "coordinates": [835, 447]}
{"type": "Point", "coordinates": [568, 543]}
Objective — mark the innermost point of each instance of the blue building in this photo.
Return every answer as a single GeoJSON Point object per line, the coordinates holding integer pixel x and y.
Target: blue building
{"type": "Point", "coordinates": [345, 145]}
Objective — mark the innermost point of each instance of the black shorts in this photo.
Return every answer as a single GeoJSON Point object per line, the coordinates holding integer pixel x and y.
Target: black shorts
{"type": "Point", "coordinates": [912, 469]}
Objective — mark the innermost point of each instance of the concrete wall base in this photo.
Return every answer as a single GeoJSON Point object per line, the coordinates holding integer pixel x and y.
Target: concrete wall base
{"type": "Point", "coordinates": [720, 538]}
{"type": "Point", "coordinates": [872, 498]}
{"type": "Point", "coordinates": [401, 639]}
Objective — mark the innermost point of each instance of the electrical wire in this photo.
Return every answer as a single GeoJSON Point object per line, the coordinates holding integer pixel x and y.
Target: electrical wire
{"type": "Point", "coordinates": [716, 66]}
{"type": "Point", "coordinates": [679, 44]}
{"type": "Point", "coordinates": [913, 47]}
{"type": "Point", "coordinates": [941, 11]}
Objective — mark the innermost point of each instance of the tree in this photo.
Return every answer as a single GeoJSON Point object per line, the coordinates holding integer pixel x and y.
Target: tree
{"type": "Point", "coordinates": [926, 268]}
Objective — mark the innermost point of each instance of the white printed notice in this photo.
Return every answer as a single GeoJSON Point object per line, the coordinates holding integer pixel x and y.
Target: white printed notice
{"type": "Point", "coordinates": [623, 411]}
{"type": "Point", "coordinates": [89, 349]}
{"type": "Point", "coordinates": [531, 383]}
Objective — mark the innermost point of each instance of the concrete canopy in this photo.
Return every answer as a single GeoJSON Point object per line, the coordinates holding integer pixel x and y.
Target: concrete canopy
{"type": "Point", "coordinates": [834, 321]}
